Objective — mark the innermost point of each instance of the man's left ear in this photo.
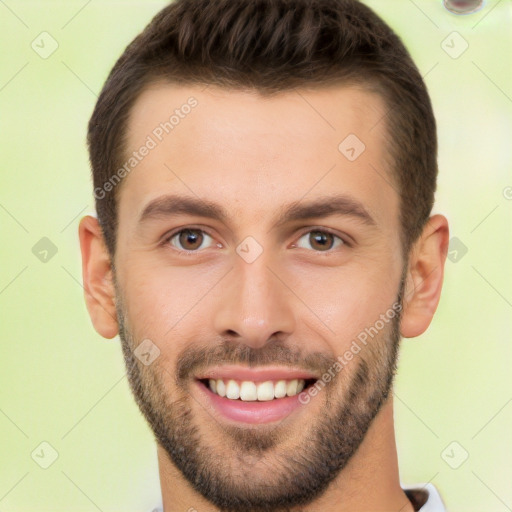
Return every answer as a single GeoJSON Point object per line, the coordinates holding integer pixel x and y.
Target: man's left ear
{"type": "Point", "coordinates": [425, 277]}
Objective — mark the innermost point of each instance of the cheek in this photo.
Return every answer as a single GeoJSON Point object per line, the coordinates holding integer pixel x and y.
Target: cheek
{"type": "Point", "coordinates": [349, 300]}
{"type": "Point", "coordinates": [163, 302]}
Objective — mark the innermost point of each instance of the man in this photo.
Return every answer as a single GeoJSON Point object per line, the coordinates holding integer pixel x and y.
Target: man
{"type": "Point", "coordinates": [264, 174]}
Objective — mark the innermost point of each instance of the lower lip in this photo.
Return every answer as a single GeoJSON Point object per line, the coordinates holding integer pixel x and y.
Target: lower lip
{"type": "Point", "coordinates": [250, 412]}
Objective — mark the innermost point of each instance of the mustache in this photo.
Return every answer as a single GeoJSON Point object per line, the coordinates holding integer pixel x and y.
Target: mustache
{"type": "Point", "coordinates": [195, 359]}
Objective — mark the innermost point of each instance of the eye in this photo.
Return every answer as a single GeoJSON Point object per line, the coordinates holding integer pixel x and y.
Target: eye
{"type": "Point", "coordinates": [189, 239]}
{"type": "Point", "coordinates": [320, 240]}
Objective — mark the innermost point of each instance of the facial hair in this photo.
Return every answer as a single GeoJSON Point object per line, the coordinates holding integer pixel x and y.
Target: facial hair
{"type": "Point", "coordinates": [270, 468]}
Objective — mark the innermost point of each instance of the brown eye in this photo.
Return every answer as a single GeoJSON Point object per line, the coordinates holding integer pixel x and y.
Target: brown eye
{"type": "Point", "coordinates": [322, 241]}
{"type": "Point", "coordinates": [189, 239]}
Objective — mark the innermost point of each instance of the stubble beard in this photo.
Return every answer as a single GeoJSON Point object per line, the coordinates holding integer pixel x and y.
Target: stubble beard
{"type": "Point", "coordinates": [273, 469]}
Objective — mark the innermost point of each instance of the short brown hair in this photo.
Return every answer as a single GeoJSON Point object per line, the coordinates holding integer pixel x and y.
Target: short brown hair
{"type": "Point", "coordinates": [272, 46]}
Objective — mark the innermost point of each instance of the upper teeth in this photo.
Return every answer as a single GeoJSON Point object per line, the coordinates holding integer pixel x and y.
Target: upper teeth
{"type": "Point", "coordinates": [250, 391]}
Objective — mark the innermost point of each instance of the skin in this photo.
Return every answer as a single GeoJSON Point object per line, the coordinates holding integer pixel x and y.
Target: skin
{"type": "Point", "coordinates": [252, 155]}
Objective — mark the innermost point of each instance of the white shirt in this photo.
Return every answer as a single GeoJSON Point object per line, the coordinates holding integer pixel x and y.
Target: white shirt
{"type": "Point", "coordinates": [425, 496]}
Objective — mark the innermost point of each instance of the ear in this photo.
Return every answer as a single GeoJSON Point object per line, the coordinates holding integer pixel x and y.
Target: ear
{"type": "Point", "coordinates": [97, 278]}
{"type": "Point", "coordinates": [425, 277]}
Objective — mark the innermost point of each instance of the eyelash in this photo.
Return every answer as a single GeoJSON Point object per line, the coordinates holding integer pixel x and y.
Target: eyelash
{"type": "Point", "coordinates": [169, 237]}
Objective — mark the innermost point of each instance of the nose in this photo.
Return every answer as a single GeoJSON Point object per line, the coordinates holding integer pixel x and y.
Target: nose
{"type": "Point", "coordinates": [254, 306]}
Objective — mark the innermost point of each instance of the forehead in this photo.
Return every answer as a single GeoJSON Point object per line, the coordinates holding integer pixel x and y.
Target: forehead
{"type": "Point", "coordinates": [252, 152]}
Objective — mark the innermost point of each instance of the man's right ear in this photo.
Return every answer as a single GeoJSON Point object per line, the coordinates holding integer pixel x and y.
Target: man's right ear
{"type": "Point", "coordinates": [97, 278]}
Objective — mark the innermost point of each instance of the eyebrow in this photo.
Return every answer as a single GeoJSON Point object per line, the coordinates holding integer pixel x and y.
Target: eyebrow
{"type": "Point", "coordinates": [173, 205]}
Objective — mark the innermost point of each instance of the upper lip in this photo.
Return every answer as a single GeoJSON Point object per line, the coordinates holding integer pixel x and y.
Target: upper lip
{"type": "Point", "coordinates": [262, 374]}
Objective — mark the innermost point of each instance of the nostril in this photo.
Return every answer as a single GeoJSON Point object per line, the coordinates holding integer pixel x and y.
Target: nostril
{"type": "Point", "coordinates": [463, 6]}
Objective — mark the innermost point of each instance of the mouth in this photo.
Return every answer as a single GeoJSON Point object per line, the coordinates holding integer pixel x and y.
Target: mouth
{"type": "Point", "coordinates": [245, 395]}
{"type": "Point", "coordinates": [251, 391]}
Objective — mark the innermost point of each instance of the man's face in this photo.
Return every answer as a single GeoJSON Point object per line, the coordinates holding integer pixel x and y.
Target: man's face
{"type": "Point", "coordinates": [258, 296]}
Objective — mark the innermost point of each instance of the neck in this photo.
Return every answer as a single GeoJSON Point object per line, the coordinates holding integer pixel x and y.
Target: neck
{"type": "Point", "coordinates": [370, 481]}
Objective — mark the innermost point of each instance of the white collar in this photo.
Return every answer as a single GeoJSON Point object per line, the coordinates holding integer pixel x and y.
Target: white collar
{"type": "Point", "coordinates": [434, 502]}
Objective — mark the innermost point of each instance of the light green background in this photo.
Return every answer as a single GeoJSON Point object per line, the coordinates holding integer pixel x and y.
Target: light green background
{"type": "Point", "coordinates": [60, 382]}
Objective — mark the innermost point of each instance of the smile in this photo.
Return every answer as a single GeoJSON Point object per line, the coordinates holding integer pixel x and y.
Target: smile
{"type": "Point", "coordinates": [250, 391]}
{"type": "Point", "coordinates": [248, 395]}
